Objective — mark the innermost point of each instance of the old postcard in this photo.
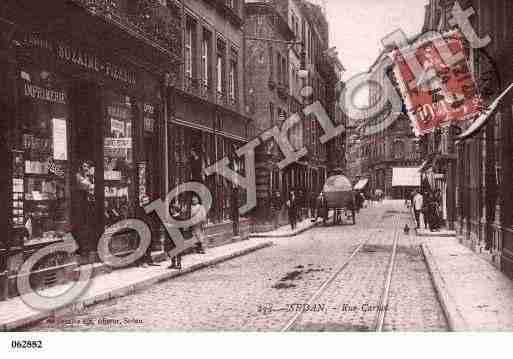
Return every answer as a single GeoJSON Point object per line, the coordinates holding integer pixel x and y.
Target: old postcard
{"type": "Point", "coordinates": [255, 166]}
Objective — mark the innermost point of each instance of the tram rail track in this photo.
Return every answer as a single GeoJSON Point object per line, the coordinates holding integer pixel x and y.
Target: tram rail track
{"type": "Point", "coordinates": [383, 301]}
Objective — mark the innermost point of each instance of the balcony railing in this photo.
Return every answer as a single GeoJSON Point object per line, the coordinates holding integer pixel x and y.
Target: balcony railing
{"type": "Point", "coordinates": [231, 9]}
{"type": "Point", "coordinates": [148, 20]}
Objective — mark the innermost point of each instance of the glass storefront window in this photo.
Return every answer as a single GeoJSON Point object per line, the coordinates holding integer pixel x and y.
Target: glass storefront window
{"type": "Point", "coordinates": [43, 207]}
{"type": "Point", "coordinates": [120, 194]}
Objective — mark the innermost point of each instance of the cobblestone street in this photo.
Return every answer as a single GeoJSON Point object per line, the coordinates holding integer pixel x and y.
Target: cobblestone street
{"type": "Point", "coordinates": [264, 290]}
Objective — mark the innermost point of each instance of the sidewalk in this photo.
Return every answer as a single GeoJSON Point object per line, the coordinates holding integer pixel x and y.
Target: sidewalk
{"type": "Point", "coordinates": [286, 231]}
{"type": "Point", "coordinates": [441, 233]}
{"type": "Point", "coordinates": [15, 314]}
{"type": "Point", "coordinates": [474, 295]}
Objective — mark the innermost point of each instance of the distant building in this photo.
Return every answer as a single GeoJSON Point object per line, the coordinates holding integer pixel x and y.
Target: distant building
{"type": "Point", "coordinates": [284, 37]}
{"type": "Point", "coordinates": [386, 140]}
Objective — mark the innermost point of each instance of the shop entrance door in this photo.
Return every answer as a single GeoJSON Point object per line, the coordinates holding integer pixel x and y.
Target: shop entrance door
{"type": "Point", "coordinates": [86, 156]}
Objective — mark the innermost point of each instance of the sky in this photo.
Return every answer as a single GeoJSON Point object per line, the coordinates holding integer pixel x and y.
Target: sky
{"type": "Point", "coordinates": [357, 27]}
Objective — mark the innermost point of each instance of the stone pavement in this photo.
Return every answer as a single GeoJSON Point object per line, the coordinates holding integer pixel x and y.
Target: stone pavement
{"type": "Point", "coordinates": [474, 294]}
{"type": "Point", "coordinates": [350, 299]}
{"type": "Point", "coordinates": [253, 292]}
{"type": "Point", "coordinates": [286, 231]}
{"type": "Point", "coordinates": [14, 313]}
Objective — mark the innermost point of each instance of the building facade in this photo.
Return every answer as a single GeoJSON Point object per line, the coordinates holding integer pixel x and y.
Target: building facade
{"type": "Point", "coordinates": [481, 171]}
{"type": "Point", "coordinates": [268, 36]}
{"type": "Point", "coordinates": [76, 99]}
{"type": "Point", "coordinates": [207, 105]}
{"type": "Point", "coordinates": [386, 140]}
{"type": "Point", "coordinates": [285, 40]}
{"type": "Point", "coordinates": [104, 106]}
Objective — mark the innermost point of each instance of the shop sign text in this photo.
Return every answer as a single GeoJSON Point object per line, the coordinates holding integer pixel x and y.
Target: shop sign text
{"type": "Point", "coordinates": [82, 58]}
{"type": "Point", "coordinates": [44, 94]}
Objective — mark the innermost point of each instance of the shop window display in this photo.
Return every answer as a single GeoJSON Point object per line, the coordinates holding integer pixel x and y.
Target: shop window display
{"type": "Point", "coordinates": [118, 160]}
{"type": "Point", "coordinates": [44, 204]}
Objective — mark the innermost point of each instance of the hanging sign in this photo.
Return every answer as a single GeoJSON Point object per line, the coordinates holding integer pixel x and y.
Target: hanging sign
{"type": "Point", "coordinates": [149, 119]}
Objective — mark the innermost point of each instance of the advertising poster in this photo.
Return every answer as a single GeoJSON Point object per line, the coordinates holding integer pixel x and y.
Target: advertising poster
{"type": "Point", "coordinates": [449, 96]}
{"type": "Point", "coordinates": [60, 140]}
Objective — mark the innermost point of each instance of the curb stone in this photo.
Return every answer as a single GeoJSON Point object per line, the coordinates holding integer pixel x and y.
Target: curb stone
{"type": "Point", "coordinates": [453, 315]}
{"type": "Point", "coordinates": [286, 235]}
{"type": "Point", "coordinates": [127, 290]}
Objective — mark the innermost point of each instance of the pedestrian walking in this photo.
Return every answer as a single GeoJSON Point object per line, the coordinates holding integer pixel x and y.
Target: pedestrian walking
{"type": "Point", "coordinates": [313, 206]}
{"type": "Point", "coordinates": [234, 210]}
{"type": "Point", "coordinates": [84, 206]}
{"type": "Point", "coordinates": [360, 200]}
{"type": "Point", "coordinates": [292, 207]}
{"type": "Point", "coordinates": [196, 166]}
{"type": "Point", "coordinates": [418, 205]}
{"type": "Point", "coordinates": [200, 214]}
{"type": "Point", "coordinates": [426, 211]}
{"type": "Point", "coordinates": [176, 260]}
{"type": "Point", "coordinates": [276, 207]}
{"type": "Point", "coordinates": [434, 210]}
{"type": "Point", "coordinates": [235, 195]}
{"type": "Point", "coordinates": [322, 208]}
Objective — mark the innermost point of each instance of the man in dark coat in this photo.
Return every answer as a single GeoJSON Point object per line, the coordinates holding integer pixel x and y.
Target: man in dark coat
{"type": "Point", "coordinates": [196, 166]}
{"type": "Point", "coordinates": [292, 207]}
{"type": "Point", "coordinates": [322, 208]}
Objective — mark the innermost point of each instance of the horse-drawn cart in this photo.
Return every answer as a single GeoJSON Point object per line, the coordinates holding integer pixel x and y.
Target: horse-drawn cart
{"type": "Point", "coordinates": [340, 198]}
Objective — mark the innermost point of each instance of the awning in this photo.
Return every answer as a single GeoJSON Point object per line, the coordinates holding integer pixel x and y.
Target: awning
{"type": "Point", "coordinates": [483, 118]}
{"type": "Point", "coordinates": [361, 184]}
{"type": "Point", "coordinates": [406, 177]}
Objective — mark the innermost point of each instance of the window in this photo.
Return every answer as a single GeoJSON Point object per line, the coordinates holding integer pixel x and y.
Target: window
{"type": "Point", "coordinates": [205, 58]}
{"type": "Point", "coordinates": [41, 183]}
{"type": "Point", "coordinates": [232, 4]}
{"type": "Point", "coordinates": [221, 84]}
{"type": "Point", "coordinates": [118, 159]}
{"type": "Point", "coordinates": [271, 64]}
{"type": "Point", "coordinates": [284, 70]}
{"type": "Point", "coordinates": [189, 43]}
{"type": "Point", "coordinates": [278, 67]}
{"type": "Point", "coordinates": [271, 113]}
{"type": "Point", "coordinates": [398, 149]}
{"type": "Point", "coordinates": [233, 77]}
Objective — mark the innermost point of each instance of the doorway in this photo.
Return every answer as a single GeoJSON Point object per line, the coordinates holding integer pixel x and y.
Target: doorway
{"type": "Point", "coordinates": [86, 148]}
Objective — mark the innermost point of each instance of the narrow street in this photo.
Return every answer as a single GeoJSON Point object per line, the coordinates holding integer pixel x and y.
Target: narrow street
{"type": "Point", "coordinates": [263, 291]}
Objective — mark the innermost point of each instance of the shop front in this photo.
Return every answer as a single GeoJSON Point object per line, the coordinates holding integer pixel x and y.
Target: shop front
{"type": "Point", "coordinates": [82, 147]}
{"type": "Point", "coordinates": [200, 133]}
